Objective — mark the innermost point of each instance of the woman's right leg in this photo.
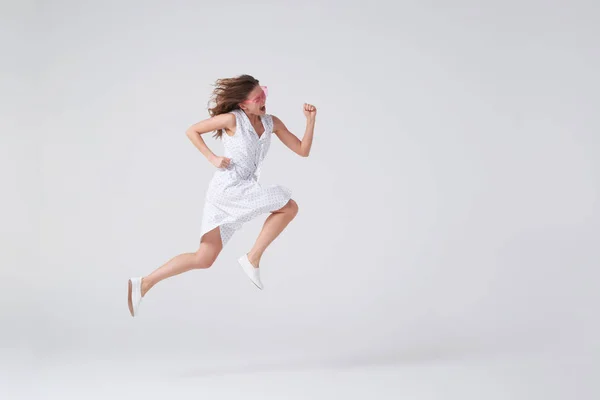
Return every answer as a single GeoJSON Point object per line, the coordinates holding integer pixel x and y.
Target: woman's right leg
{"type": "Point", "coordinates": [204, 257]}
{"type": "Point", "coordinates": [273, 226]}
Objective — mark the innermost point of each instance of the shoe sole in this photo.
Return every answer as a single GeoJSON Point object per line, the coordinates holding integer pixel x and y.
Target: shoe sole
{"type": "Point", "coordinates": [255, 284]}
{"type": "Point", "coordinates": [129, 302]}
{"type": "Point", "coordinates": [251, 280]}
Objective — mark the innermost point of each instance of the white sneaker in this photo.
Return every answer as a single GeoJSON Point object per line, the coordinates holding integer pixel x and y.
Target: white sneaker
{"type": "Point", "coordinates": [134, 296]}
{"type": "Point", "coordinates": [253, 273]}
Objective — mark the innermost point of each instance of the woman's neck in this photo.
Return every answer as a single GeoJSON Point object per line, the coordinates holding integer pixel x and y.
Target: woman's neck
{"type": "Point", "coordinates": [253, 117]}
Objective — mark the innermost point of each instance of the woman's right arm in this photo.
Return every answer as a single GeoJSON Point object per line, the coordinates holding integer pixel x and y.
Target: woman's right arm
{"type": "Point", "coordinates": [195, 132]}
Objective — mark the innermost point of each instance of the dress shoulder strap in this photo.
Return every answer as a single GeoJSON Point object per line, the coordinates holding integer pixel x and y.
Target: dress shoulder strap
{"type": "Point", "coordinates": [269, 121]}
{"type": "Point", "coordinates": [239, 120]}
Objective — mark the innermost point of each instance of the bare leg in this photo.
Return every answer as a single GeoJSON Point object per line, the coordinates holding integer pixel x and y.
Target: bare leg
{"type": "Point", "coordinates": [204, 257]}
{"type": "Point", "coordinates": [273, 226]}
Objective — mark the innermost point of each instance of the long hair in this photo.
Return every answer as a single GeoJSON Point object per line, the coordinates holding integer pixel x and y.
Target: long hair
{"type": "Point", "coordinates": [227, 95]}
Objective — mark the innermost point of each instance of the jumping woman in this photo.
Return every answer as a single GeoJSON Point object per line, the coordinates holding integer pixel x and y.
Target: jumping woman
{"type": "Point", "coordinates": [234, 194]}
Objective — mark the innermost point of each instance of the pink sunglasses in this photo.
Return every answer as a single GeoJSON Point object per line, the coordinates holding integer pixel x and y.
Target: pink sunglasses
{"type": "Point", "coordinates": [260, 97]}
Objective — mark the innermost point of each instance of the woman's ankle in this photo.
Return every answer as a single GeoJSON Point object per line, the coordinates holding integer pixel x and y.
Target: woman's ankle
{"type": "Point", "coordinates": [146, 285]}
{"type": "Point", "coordinates": [254, 259]}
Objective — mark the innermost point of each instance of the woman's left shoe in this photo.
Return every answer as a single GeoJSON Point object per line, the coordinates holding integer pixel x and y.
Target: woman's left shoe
{"type": "Point", "coordinates": [134, 295]}
{"type": "Point", "coordinates": [253, 273]}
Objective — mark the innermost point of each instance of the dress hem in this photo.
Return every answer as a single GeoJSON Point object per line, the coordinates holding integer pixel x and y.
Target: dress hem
{"type": "Point", "coordinates": [279, 205]}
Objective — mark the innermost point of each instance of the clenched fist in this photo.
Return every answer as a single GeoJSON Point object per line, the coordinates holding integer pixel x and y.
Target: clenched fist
{"type": "Point", "coordinates": [310, 111]}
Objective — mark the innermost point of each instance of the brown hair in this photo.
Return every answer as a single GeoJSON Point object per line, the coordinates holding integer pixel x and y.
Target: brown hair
{"type": "Point", "coordinates": [228, 93]}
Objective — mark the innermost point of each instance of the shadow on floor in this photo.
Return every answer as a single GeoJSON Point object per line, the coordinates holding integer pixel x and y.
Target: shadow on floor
{"type": "Point", "coordinates": [413, 356]}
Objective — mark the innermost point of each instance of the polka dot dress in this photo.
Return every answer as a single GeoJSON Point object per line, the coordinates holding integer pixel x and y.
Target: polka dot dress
{"type": "Point", "coordinates": [234, 194]}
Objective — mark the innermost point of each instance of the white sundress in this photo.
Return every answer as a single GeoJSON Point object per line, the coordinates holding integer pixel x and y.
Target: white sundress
{"type": "Point", "coordinates": [234, 194]}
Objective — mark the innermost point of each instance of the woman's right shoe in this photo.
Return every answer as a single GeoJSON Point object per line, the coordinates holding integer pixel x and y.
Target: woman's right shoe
{"type": "Point", "coordinates": [253, 273]}
{"type": "Point", "coordinates": [134, 295]}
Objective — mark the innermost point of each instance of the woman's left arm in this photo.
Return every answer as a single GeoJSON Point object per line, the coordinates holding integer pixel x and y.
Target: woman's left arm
{"type": "Point", "coordinates": [300, 147]}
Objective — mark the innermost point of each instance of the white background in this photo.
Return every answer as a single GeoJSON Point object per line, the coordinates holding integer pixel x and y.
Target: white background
{"type": "Point", "coordinates": [448, 209]}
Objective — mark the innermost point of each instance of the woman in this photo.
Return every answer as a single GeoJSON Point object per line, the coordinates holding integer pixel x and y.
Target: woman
{"type": "Point", "coordinates": [234, 194]}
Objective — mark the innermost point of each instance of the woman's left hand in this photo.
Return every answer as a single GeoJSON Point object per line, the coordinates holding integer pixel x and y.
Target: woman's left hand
{"type": "Point", "coordinates": [310, 111]}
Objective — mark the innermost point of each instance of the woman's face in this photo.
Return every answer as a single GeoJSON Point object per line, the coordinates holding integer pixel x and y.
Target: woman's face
{"type": "Point", "coordinates": [256, 101]}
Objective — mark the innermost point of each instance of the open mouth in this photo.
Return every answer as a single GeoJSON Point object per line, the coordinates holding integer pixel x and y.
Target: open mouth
{"type": "Point", "coordinates": [263, 108]}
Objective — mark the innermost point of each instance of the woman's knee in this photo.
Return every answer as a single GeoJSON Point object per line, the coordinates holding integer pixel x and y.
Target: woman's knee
{"type": "Point", "coordinates": [209, 249]}
{"type": "Point", "coordinates": [292, 207]}
{"type": "Point", "coordinates": [204, 258]}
